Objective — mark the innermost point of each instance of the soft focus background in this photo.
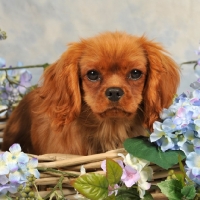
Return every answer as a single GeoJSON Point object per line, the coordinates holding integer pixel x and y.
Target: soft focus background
{"type": "Point", "coordinates": [38, 30]}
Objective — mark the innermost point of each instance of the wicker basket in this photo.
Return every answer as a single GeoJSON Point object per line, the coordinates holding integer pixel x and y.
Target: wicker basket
{"type": "Point", "coordinates": [71, 164]}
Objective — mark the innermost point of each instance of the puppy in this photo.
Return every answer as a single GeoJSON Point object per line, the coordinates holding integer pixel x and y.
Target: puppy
{"type": "Point", "coordinates": [101, 91]}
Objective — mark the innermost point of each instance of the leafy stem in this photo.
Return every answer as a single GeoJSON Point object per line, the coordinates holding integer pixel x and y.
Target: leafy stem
{"type": "Point", "coordinates": [57, 171]}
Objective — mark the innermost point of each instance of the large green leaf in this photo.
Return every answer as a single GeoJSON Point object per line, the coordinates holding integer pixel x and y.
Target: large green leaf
{"type": "Point", "coordinates": [142, 148]}
{"type": "Point", "coordinates": [113, 171]}
{"type": "Point", "coordinates": [172, 189]}
{"type": "Point", "coordinates": [92, 185]}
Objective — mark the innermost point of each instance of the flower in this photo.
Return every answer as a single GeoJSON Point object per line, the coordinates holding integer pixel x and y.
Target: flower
{"type": "Point", "coordinates": [130, 176]}
{"type": "Point", "coordinates": [14, 84]}
{"type": "Point", "coordinates": [12, 188]}
{"type": "Point", "coordinates": [3, 166]}
{"type": "Point", "coordinates": [3, 179]}
{"type": "Point", "coordinates": [14, 157]}
{"type": "Point", "coordinates": [180, 127]}
{"type": "Point", "coordinates": [145, 172]}
{"type": "Point", "coordinates": [30, 167]}
{"type": "Point", "coordinates": [25, 78]}
{"type": "Point", "coordinates": [15, 169]}
{"type": "Point", "coordinates": [193, 166]}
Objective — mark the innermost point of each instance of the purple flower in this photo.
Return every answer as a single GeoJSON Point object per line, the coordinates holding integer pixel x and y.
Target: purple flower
{"type": "Point", "coordinates": [12, 188]}
{"type": "Point", "coordinates": [130, 176]}
{"type": "Point", "coordinates": [196, 84]}
{"type": "Point", "coordinates": [3, 179]}
{"type": "Point", "coordinates": [25, 83]}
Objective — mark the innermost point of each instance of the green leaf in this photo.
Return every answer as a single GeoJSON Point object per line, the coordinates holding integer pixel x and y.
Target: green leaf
{"type": "Point", "coordinates": [189, 191]}
{"type": "Point", "coordinates": [147, 196]}
{"type": "Point", "coordinates": [142, 148]}
{"type": "Point", "coordinates": [127, 194]}
{"type": "Point", "coordinates": [113, 171]}
{"type": "Point", "coordinates": [171, 189]}
{"type": "Point", "coordinates": [181, 177]}
{"type": "Point", "coordinates": [92, 185]}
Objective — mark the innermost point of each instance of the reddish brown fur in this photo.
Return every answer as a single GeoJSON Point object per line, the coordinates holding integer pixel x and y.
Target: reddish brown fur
{"type": "Point", "coordinates": [71, 114]}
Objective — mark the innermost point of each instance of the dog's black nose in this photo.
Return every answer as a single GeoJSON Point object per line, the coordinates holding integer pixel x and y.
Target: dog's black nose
{"type": "Point", "coordinates": [114, 93]}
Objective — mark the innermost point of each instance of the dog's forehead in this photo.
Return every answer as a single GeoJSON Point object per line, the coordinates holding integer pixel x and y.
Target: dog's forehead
{"type": "Point", "coordinates": [113, 52]}
{"type": "Point", "coordinates": [118, 59]}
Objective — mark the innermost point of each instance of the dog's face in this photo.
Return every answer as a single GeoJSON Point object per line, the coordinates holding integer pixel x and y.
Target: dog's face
{"type": "Point", "coordinates": [113, 75]}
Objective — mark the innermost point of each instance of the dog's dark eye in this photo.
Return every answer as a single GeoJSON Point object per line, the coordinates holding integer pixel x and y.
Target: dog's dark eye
{"type": "Point", "coordinates": [93, 75]}
{"type": "Point", "coordinates": [135, 74]}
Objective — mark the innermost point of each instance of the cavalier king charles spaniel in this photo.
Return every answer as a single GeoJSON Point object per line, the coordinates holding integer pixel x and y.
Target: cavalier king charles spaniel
{"type": "Point", "coordinates": [101, 91]}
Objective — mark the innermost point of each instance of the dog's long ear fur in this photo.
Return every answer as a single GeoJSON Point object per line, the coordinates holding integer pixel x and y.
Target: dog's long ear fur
{"type": "Point", "coordinates": [162, 81]}
{"type": "Point", "coordinates": [60, 90]}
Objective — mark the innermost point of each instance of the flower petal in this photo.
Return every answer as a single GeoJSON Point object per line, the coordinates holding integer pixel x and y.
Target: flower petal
{"type": "Point", "coordinates": [15, 149]}
{"type": "Point", "coordinates": [23, 158]}
{"type": "Point", "coordinates": [3, 179]}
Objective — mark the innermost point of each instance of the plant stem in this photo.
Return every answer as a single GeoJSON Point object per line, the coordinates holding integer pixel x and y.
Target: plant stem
{"type": "Point", "coordinates": [57, 171]}
{"type": "Point", "coordinates": [25, 67]}
{"type": "Point", "coordinates": [58, 185]}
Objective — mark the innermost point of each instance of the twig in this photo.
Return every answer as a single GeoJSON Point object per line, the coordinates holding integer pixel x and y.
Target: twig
{"type": "Point", "coordinates": [189, 62]}
{"type": "Point", "coordinates": [25, 67]}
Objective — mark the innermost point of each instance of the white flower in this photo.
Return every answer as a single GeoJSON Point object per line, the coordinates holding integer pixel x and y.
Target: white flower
{"type": "Point", "coordinates": [3, 167]}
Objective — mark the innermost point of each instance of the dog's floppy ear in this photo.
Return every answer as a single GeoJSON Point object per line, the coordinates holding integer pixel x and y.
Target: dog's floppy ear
{"type": "Point", "coordinates": [60, 90]}
{"type": "Point", "coordinates": [162, 81]}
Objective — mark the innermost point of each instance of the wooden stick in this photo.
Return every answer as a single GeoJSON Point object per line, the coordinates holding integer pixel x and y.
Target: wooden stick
{"type": "Point", "coordinates": [50, 181]}
{"type": "Point", "coordinates": [82, 159]}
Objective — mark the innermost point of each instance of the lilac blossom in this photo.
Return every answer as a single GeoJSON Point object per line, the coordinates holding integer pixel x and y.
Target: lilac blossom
{"type": "Point", "coordinates": [15, 168]}
{"type": "Point", "coordinates": [14, 157]}
{"type": "Point", "coordinates": [193, 166]}
{"type": "Point", "coordinates": [14, 84]}
{"type": "Point", "coordinates": [180, 127]}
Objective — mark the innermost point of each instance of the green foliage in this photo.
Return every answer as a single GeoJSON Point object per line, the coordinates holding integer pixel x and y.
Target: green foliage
{"type": "Point", "coordinates": [171, 188]}
{"type": "Point", "coordinates": [114, 171]}
{"type": "Point", "coordinates": [92, 185]}
{"type": "Point", "coordinates": [189, 192]}
{"type": "Point", "coordinates": [142, 148]}
{"type": "Point", "coordinates": [95, 186]}
{"type": "Point", "coordinates": [174, 190]}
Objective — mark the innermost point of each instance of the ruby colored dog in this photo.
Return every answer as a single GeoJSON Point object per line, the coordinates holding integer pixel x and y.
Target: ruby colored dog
{"type": "Point", "coordinates": [101, 91]}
